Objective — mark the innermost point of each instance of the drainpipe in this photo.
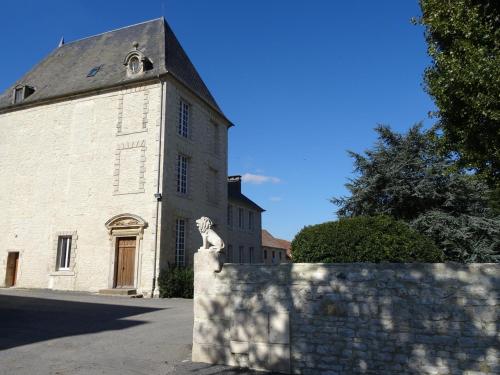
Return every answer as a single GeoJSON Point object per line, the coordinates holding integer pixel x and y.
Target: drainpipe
{"type": "Point", "coordinates": [158, 183]}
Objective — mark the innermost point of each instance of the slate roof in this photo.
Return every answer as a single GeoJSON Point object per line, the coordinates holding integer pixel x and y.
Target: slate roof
{"type": "Point", "coordinates": [64, 71]}
{"type": "Point", "coordinates": [234, 193]}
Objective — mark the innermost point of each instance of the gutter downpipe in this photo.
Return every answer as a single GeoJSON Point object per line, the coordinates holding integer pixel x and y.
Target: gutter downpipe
{"type": "Point", "coordinates": [158, 183]}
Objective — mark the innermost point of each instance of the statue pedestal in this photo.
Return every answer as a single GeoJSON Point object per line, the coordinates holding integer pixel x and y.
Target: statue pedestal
{"type": "Point", "coordinates": [206, 265]}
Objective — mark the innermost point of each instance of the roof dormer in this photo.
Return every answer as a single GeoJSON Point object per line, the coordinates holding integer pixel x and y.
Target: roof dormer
{"type": "Point", "coordinates": [136, 62]}
{"type": "Point", "coordinates": [21, 92]}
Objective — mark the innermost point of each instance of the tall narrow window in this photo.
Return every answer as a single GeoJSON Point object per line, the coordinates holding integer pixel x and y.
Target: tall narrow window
{"type": "Point", "coordinates": [183, 128]}
{"type": "Point", "coordinates": [63, 253]}
{"type": "Point", "coordinates": [250, 220]}
{"type": "Point", "coordinates": [229, 215]}
{"type": "Point", "coordinates": [240, 254]}
{"type": "Point", "coordinates": [180, 242]}
{"type": "Point", "coordinates": [182, 171]}
{"type": "Point", "coordinates": [251, 255]}
{"type": "Point", "coordinates": [230, 253]}
{"type": "Point", "coordinates": [265, 254]}
{"type": "Point", "coordinates": [241, 219]}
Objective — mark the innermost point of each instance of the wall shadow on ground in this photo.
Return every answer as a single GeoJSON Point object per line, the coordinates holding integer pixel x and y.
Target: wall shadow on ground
{"type": "Point", "coordinates": [26, 320]}
{"type": "Point", "coordinates": [358, 318]}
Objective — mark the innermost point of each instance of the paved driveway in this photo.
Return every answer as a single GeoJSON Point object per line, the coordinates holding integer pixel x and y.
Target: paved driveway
{"type": "Point", "coordinates": [44, 332]}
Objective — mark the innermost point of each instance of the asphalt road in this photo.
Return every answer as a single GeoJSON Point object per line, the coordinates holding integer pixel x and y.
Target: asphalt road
{"type": "Point", "coordinates": [46, 332]}
{"type": "Point", "coordinates": [65, 333]}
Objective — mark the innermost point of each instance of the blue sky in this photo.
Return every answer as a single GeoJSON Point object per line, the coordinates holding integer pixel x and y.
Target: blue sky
{"type": "Point", "coordinates": [304, 81]}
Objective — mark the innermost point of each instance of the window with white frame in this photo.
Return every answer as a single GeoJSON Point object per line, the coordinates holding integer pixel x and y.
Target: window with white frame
{"type": "Point", "coordinates": [63, 253]}
{"type": "Point", "coordinates": [251, 254]}
{"type": "Point", "coordinates": [229, 215]}
{"type": "Point", "coordinates": [182, 173]}
{"type": "Point", "coordinates": [183, 128]}
{"type": "Point", "coordinates": [241, 218]}
{"type": "Point", "coordinates": [180, 242]}
{"type": "Point", "coordinates": [230, 253]}
{"type": "Point", "coordinates": [250, 220]}
{"type": "Point", "coordinates": [240, 253]}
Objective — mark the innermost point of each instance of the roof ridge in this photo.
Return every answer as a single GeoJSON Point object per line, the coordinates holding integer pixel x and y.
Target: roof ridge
{"type": "Point", "coordinates": [110, 31]}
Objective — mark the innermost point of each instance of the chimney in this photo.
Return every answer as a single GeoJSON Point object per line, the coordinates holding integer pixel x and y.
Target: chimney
{"type": "Point", "coordinates": [234, 184]}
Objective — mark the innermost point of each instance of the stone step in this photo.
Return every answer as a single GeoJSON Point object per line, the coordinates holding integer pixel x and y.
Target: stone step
{"type": "Point", "coordinates": [119, 292]}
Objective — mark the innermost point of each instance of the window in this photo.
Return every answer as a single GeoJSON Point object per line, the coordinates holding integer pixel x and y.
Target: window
{"type": "Point", "coordinates": [251, 255]}
{"type": "Point", "coordinates": [183, 129]}
{"type": "Point", "coordinates": [134, 65]}
{"type": "Point", "coordinates": [230, 253]}
{"type": "Point", "coordinates": [94, 71]}
{"type": "Point", "coordinates": [22, 92]}
{"type": "Point", "coordinates": [182, 170]}
{"type": "Point", "coordinates": [274, 257]}
{"type": "Point", "coordinates": [250, 220]}
{"type": "Point", "coordinates": [63, 253]}
{"type": "Point", "coordinates": [280, 255]}
{"type": "Point", "coordinates": [241, 219]}
{"type": "Point", "coordinates": [180, 242]}
{"type": "Point", "coordinates": [229, 215]}
{"type": "Point", "coordinates": [18, 95]}
{"type": "Point", "coordinates": [265, 254]}
{"type": "Point", "coordinates": [240, 253]}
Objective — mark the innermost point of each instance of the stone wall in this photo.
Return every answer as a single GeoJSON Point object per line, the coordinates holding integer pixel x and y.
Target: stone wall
{"type": "Point", "coordinates": [66, 168]}
{"type": "Point", "coordinates": [349, 318]}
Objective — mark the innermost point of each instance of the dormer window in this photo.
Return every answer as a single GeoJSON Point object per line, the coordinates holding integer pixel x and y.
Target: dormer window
{"type": "Point", "coordinates": [22, 92]}
{"type": "Point", "coordinates": [134, 65]}
{"type": "Point", "coordinates": [136, 62]}
{"type": "Point", "coordinates": [19, 95]}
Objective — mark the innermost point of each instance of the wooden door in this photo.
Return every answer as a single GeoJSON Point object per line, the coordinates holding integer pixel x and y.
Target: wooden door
{"type": "Point", "coordinates": [125, 262]}
{"type": "Point", "coordinates": [12, 267]}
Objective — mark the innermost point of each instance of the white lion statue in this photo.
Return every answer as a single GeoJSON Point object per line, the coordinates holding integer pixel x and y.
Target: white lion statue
{"type": "Point", "coordinates": [211, 240]}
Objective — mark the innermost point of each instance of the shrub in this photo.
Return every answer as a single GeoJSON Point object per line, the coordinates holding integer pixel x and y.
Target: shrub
{"type": "Point", "coordinates": [176, 282]}
{"type": "Point", "coordinates": [363, 239]}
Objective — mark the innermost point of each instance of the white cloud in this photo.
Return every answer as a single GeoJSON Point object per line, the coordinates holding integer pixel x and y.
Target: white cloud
{"type": "Point", "coordinates": [258, 179]}
{"type": "Point", "coordinates": [275, 199]}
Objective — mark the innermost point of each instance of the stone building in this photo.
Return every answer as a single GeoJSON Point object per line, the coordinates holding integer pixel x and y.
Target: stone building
{"type": "Point", "coordinates": [275, 250]}
{"type": "Point", "coordinates": [110, 148]}
{"type": "Point", "coordinates": [244, 223]}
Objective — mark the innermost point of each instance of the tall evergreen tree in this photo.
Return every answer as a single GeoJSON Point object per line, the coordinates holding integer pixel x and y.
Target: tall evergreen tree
{"type": "Point", "coordinates": [463, 38]}
{"type": "Point", "coordinates": [407, 177]}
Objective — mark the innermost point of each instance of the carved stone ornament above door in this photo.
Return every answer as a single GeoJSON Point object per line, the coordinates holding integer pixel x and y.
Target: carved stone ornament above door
{"type": "Point", "coordinates": [124, 224]}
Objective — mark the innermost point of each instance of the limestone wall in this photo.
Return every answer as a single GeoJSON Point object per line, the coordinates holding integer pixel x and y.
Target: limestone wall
{"type": "Point", "coordinates": [68, 167]}
{"type": "Point", "coordinates": [349, 318]}
{"type": "Point", "coordinates": [206, 151]}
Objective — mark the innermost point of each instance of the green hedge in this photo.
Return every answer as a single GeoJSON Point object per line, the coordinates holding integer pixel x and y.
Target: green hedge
{"type": "Point", "coordinates": [176, 282]}
{"type": "Point", "coordinates": [363, 239]}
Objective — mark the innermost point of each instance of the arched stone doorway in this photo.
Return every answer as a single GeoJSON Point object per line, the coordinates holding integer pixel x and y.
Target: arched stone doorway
{"type": "Point", "coordinates": [125, 235]}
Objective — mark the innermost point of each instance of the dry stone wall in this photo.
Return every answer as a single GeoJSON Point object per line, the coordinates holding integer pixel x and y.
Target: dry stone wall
{"type": "Point", "coordinates": [360, 318]}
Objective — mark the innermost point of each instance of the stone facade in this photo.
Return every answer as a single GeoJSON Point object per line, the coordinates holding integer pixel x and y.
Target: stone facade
{"type": "Point", "coordinates": [69, 166]}
{"type": "Point", "coordinates": [349, 318]}
{"type": "Point", "coordinates": [244, 224]}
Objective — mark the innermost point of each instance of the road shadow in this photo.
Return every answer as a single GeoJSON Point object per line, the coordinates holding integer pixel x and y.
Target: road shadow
{"type": "Point", "coordinates": [26, 320]}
